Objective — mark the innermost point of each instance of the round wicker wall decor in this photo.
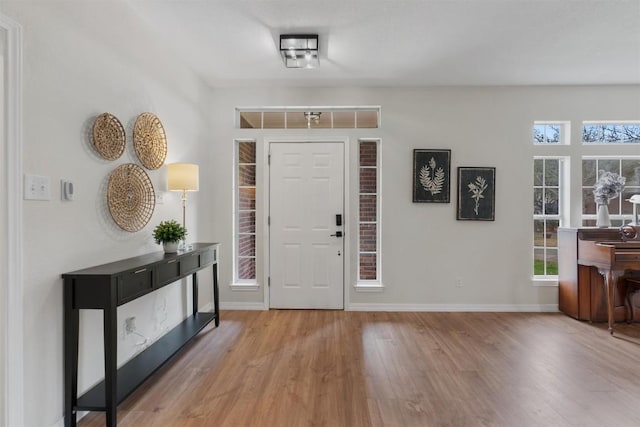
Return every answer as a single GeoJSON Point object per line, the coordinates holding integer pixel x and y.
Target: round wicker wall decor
{"type": "Point", "coordinates": [150, 141]}
{"type": "Point", "coordinates": [130, 197]}
{"type": "Point", "coordinates": [108, 136]}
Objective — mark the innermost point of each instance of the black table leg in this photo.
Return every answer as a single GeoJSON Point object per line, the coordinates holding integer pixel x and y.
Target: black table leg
{"type": "Point", "coordinates": [216, 297]}
{"type": "Point", "coordinates": [194, 293]}
{"type": "Point", "coordinates": [71, 326]}
{"type": "Point", "coordinates": [110, 365]}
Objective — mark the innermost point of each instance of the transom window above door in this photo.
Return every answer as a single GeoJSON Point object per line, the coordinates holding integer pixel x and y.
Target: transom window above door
{"type": "Point", "coordinates": [308, 118]}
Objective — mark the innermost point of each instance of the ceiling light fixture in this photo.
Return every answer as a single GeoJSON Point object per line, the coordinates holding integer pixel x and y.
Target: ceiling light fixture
{"type": "Point", "coordinates": [299, 50]}
{"type": "Point", "coordinates": [312, 117]}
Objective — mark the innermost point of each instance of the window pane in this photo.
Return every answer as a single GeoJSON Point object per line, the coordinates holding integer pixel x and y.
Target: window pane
{"type": "Point", "coordinates": [537, 201]}
{"type": "Point", "coordinates": [631, 133]}
{"type": "Point", "coordinates": [367, 208]}
{"type": "Point", "coordinates": [591, 133]}
{"type": "Point", "coordinates": [247, 152]}
{"type": "Point", "coordinates": [631, 171]}
{"type": "Point", "coordinates": [367, 119]}
{"type": "Point", "coordinates": [538, 262]}
{"type": "Point", "coordinates": [344, 119]}
{"type": "Point", "coordinates": [614, 206]}
{"type": "Point", "coordinates": [246, 222]}
{"type": "Point", "coordinates": [551, 172]}
{"type": "Point", "coordinates": [368, 266]}
{"type": "Point", "coordinates": [538, 134]}
{"type": "Point", "coordinates": [537, 172]}
{"type": "Point", "coordinates": [551, 235]}
{"type": "Point", "coordinates": [250, 120]}
{"type": "Point", "coordinates": [296, 120]}
{"type": "Point", "coordinates": [274, 120]}
{"type": "Point", "coordinates": [588, 172]}
{"type": "Point", "coordinates": [588, 202]}
{"type": "Point", "coordinates": [538, 232]}
{"type": "Point", "coordinates": [368, 237]}
{"type": "Point", "coordinates": [551, 201]}
{"type": "Point", "coordinates": [246, 268]}
{"type": "Point", "coordinates": [552, 133]}
{"type": "Point", "coordinates": [552, 262]}
{"type": "Point", "coordinates": [246, 199]}
{"type": "Point", "coordinates": [247, 175]}
{"type": "Point", "coordinates": [368, 153]}
{"type": "Point", "coordinates": [609, 165]}
{"type": "Point", "coordinates": [368, 178]}
{"type": "Point", "coordinates": [247, 245]}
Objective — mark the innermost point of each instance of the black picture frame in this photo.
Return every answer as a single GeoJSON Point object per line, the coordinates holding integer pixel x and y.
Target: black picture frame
{"type": "Point", "coordinates": [476, 194]}
{"type": "Point", "coordinates": [431, 176]}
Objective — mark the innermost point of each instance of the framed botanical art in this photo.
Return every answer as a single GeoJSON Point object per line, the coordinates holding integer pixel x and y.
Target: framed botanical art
{"type": "Point", "coordinates": [431, 176]}
{"type": "Point", "coordinates": [476, 194]}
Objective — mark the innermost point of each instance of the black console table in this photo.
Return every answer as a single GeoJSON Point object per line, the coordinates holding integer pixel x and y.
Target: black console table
{"type": "Point", "coordinates": [105, 287]}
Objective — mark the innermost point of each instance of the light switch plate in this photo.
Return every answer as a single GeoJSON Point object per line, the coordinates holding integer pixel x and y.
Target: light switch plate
{"type": "Point", "coordinates": [37, 187]}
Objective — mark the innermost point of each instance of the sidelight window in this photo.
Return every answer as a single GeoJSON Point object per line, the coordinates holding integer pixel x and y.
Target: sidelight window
{"type": "Point", "coordinates": [245, 212]}
{"type": "Point", "coordinates": [369, 213]}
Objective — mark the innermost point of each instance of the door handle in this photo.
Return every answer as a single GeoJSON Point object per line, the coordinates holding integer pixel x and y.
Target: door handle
{"type": "Point", "coordinates": [338, 234]}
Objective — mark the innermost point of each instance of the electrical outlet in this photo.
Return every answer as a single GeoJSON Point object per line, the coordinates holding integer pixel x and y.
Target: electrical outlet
{"type": "Point", "coordinates": [130, 325]}
{"type": "Point", "coordinates": [458, 283]}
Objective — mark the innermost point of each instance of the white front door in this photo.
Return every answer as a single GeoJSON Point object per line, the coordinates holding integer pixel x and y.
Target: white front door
{"type": "Point", "coordinates": [305, 195]}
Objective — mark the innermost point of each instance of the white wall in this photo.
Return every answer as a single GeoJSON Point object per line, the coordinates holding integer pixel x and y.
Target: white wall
{"type": "Point", "coordinates": [82, 59]}
{"type": "Point", "coordinates": [424, 248]}
{"type": "Point", "coordinates": [3, 223]}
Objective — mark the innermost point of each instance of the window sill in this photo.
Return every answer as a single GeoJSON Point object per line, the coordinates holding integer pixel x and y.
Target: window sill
{"type": "Point", "coordinates": [544, 281]}
{"type": "Point", "coordinates": [369, 287]}
{"type": "Point", "coordinates": [245, 287]}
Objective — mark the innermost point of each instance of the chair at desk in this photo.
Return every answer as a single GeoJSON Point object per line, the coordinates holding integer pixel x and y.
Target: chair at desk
{"type": "Point", "coordinates": [632, 285]}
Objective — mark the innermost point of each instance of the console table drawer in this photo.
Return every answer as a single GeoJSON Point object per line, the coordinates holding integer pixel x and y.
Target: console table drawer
{"type": "Point", "coordinates": [189, 263]}
{"type": "Point", "coordinates": [208, 257]}
{"type": "Point", "coordinates": [133, 284]}
{"type": "Point", "coordinates": [168, 272]}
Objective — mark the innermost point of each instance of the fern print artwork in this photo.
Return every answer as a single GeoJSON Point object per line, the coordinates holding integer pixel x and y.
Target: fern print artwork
{"type": "Point", "coordinates": [431, 176]}
{"type": "Point", "coordinates": [432, 179]}
{"type": "Point", "coordinates": [476, 193]}
{"type": "Point", "coordinates": [477, 188]}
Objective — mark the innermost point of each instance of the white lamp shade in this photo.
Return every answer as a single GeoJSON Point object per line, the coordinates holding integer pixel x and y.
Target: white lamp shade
{"type": "Point", "coordinates": [183, 177]}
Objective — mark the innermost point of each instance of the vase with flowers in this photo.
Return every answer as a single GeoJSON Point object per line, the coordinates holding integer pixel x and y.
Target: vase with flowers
{"type": "Point", "coordinates": [609, 186]}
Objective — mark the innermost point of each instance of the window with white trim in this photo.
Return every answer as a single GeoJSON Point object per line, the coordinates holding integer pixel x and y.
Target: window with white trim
{"type": "Point", "coordinates": [551, 133]}
{"type": "Point", "coordinates": [245, 212]}
{"type": "Point", "coordinates": [368, 212]}
{"type": "Point", "coordinates": [610, 133]}
{"type": "Point", "coordinates": [620, 210]}
{"type": "Point", "coordinates": [548, 195]}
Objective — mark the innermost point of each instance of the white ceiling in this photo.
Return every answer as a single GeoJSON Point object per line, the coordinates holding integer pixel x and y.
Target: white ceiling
{"type": "Point", "coordinates": [405, 42]}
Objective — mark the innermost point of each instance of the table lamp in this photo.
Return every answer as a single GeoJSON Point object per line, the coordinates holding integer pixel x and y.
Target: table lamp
{"type": "Point", "coordinates": [183, 177]}
{"type": "Point", "coordinates": [635, 200]}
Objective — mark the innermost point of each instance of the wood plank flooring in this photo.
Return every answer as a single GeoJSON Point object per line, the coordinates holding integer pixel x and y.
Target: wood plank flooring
{"type": "Point", "coordinates": [337, 368]}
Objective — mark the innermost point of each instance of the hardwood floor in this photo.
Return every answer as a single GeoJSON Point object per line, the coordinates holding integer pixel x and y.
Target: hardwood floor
{"type": "Point", "coordinates": [336, 368]}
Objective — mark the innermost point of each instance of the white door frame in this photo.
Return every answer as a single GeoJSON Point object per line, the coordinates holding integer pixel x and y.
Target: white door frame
{"type": "Point", "coordinates": [266, 209]}
{"type": "Point", "coordinates": [13, 387]}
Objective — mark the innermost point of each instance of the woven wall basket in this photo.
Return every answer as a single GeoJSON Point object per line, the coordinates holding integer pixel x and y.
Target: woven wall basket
{"type": "Point", "coordinates": [130, 197]}
{"type": "Point", "coordinates": [150, 141]}
{"type": "Point", "coordinates": [108, 136]}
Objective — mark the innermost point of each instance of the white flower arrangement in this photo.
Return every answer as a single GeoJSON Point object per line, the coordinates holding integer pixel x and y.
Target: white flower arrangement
{"type": "Point", "coordinates": [608, 187]}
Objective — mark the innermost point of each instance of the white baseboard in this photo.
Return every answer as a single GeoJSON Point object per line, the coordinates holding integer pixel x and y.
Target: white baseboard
{"type": "Point", "coordinates": [243, 306]}
{"type": "Point", "coordinates": [496, 308]}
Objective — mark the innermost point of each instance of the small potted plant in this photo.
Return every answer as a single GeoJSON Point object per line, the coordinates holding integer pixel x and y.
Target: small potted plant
{"type": "Point", "coordinates": [169, 233]}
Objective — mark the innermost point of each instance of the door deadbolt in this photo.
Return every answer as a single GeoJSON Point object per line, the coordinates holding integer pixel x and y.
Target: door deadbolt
{"type": "Point", "coordinates": [338, 234]}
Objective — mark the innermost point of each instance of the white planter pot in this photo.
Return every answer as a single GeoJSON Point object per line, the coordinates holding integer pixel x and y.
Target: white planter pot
{"type": "Point", "coordinates": [170, 247]}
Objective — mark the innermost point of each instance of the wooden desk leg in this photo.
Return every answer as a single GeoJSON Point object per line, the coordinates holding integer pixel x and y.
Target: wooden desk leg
{"type": "Point", "coordinates": [110, 365]}
{"type": "Point", "coordinates": [610, 280]}
{"type": "Point", "coordinates": [216, 296]}
{"type": "Point", "coordinates": [71, 326]}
